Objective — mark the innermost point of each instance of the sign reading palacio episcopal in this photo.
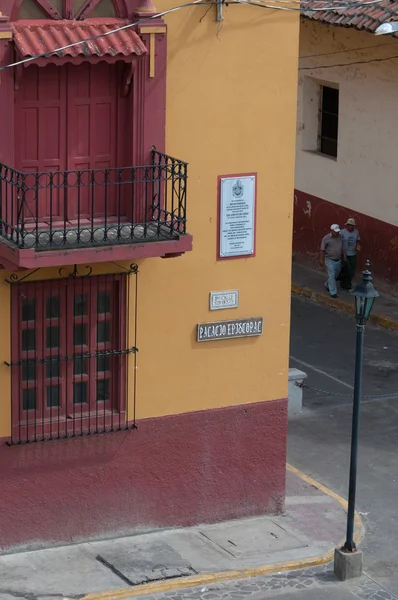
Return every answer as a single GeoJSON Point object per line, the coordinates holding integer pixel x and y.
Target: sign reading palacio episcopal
{"type": "Point", "coordinates": [222, 330]}
{"type": "Point", "coordinates": [237, 211]}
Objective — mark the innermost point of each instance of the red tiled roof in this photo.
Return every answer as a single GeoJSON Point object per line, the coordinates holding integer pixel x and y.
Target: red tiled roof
{"type": "Point", "coordinates": [42, 37]}
{"type": "Point", "coordinates": [365, 18]}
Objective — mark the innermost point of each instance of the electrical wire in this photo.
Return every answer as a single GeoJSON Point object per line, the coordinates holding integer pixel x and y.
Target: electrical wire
{"type": "Point", "coordinates": [339, 6]}
{"type": "Point", "coordinates": [348, 50]}
{"type": "Point", "coordinates": [105, 34]}
{"type": "Point", "coordinates": [358, 62]}
{"type": "Point", "coordinates": [329, 3]}
{"type": "Point", "coordinates": [259, 4]}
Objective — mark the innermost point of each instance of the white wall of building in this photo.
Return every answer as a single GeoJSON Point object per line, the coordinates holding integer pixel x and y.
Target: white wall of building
{"type": "Point", "coordinates": [364, 177]}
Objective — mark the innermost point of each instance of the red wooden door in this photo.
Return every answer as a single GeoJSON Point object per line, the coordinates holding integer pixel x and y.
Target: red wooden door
{"type": "Point", "coordinates": [92, 129]}
{"type": "Point", "coordinates": [67, 119]}
{"type": "Point", "coordinates": [40, 138]}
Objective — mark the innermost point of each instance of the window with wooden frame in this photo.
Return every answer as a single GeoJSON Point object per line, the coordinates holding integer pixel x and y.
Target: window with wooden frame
{"type": "Point", "coordinates": [329, 121]}
{"type": "Point", "coordinates": [68, 357]}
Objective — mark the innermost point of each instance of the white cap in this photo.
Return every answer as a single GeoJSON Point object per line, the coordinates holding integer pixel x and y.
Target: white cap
{"type": "Point", "coordinates": [335, 228]}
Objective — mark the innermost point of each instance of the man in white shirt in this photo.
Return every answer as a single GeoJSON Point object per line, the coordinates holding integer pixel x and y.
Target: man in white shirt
{"type": "Point", "coordinates": [330, 255]}
{"type": "Point", "coordinates": [350, 238]}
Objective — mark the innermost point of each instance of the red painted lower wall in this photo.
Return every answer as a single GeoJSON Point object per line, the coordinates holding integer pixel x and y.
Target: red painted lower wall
{"type": "Point", "coordinates": [312, 219]}
{"type": "Point", "coordinates": [177, 470]}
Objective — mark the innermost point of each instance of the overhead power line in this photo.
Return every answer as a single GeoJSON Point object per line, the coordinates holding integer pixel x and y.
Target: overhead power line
{"type": "Point", "coordinates": [348, 50]}
{"type": "Point", "coordinates": [259, 4]}
{"type": "Point", "coordinates": [357, 62]}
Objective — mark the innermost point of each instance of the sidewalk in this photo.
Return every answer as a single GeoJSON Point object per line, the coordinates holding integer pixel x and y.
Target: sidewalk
{"type": "Point", "coordinates": [310, 283]}
{"type": "Point", "coordinates": [306, 535]}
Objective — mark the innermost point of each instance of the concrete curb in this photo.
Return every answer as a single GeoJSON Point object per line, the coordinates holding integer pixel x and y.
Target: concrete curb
{"type": "Point", "coordinates": [209, 578]}
{"type": "Point", "coordinates": [325, 299]}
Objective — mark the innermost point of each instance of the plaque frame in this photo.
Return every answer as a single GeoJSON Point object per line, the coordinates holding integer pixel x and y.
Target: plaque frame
{"type": "Point", "coordinates": [213, 295]}
{"type": "Point", "coordinates": [225, 330]}
{"type": "Point", "coordinates": [219, 215]}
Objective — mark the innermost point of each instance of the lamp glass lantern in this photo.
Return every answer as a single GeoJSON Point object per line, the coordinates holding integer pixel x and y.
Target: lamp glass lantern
{"type": "Point", "coordinates": [364, 295]}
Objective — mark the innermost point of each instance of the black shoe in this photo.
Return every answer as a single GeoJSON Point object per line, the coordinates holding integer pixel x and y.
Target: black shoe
{"type": "Point", "coordinates": [333, 295]}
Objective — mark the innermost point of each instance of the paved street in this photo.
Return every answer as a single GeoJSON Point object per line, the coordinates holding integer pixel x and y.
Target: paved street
{"type": "Point", "coordinates": [323, 345]}
{"type": "Point", "coordinates": [319, 439]}
{"type": "Point", "coordinates": [317, 583]}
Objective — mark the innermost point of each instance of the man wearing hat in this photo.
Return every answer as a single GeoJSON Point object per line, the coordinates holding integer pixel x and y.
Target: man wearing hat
{"type": "Point", "coordinates": [350, 238]}
{"type": "Point", "coordinates": [330, 255]}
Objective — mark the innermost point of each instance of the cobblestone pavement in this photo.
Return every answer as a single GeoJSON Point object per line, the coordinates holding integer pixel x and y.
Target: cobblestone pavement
{"type": "Point", "coordinates": [270, 586]}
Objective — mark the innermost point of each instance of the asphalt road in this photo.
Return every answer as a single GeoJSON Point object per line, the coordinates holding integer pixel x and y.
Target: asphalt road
{"type": "Point", "coordinates": [323, 345]}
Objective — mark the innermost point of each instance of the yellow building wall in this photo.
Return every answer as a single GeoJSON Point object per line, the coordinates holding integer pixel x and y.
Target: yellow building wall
{"type": "Point", "coordinates": [231, 108]}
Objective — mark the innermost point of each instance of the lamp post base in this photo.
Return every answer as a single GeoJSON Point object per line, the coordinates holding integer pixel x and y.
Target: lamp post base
{"type": "Point", "coordinates": [347, 565]}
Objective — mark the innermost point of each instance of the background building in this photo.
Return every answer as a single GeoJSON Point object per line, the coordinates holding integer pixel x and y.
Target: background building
{"type": "Point", "coordinates": [99, 263]}
{"type": "Point", "coordinates": [347, 133]}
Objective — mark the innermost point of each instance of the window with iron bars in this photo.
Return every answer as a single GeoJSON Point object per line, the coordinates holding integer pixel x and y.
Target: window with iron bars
{"type": "Point", "coordinates": [69, 349]}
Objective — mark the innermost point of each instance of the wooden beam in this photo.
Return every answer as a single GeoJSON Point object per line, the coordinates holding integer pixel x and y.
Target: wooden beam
{"type": "Point", "coordinates": [67, 9]}
{"type": "Point", "coordinates": [86, 9]}
{"type": "Point", "coordinates": [152, 30]}
{"type": "Point", "coordinates": [152, 42]}
{"type": "Point", "coordinates": [48, 9]}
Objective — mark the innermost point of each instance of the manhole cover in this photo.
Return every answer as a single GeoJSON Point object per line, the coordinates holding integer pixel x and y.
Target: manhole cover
{"type": "Point", "coordinates": [145, 562]}
{"type": "Point", "coordinates": [252, 538]}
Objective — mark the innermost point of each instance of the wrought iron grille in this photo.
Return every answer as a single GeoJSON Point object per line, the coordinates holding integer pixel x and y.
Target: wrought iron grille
{"type": "Point", "coordinates": [70, 355]}
{"type": "Point", "coordinates": [75, 209]}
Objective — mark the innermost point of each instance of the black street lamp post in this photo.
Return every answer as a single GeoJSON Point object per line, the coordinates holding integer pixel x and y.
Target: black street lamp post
{"type": "Point", "coordinates": [365, 295]}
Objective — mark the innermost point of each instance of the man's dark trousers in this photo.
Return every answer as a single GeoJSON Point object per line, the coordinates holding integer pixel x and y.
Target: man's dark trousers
{"type": "Point", "coordinates": [351, 268]}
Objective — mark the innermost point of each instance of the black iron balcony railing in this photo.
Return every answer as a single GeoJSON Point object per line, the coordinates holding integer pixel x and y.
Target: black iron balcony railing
{"type": "Point", "coordinates": [75, 209]}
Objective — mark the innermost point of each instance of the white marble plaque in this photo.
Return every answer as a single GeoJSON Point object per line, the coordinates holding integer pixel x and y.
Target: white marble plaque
{"type": "Point", "coordinates": [237, 216]}
{"type": "Point", "coordinates": [220, 300]}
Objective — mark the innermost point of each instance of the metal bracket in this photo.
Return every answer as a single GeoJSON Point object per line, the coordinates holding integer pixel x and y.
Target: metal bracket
{"type": "Point", "coordinates": [219, 13]}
